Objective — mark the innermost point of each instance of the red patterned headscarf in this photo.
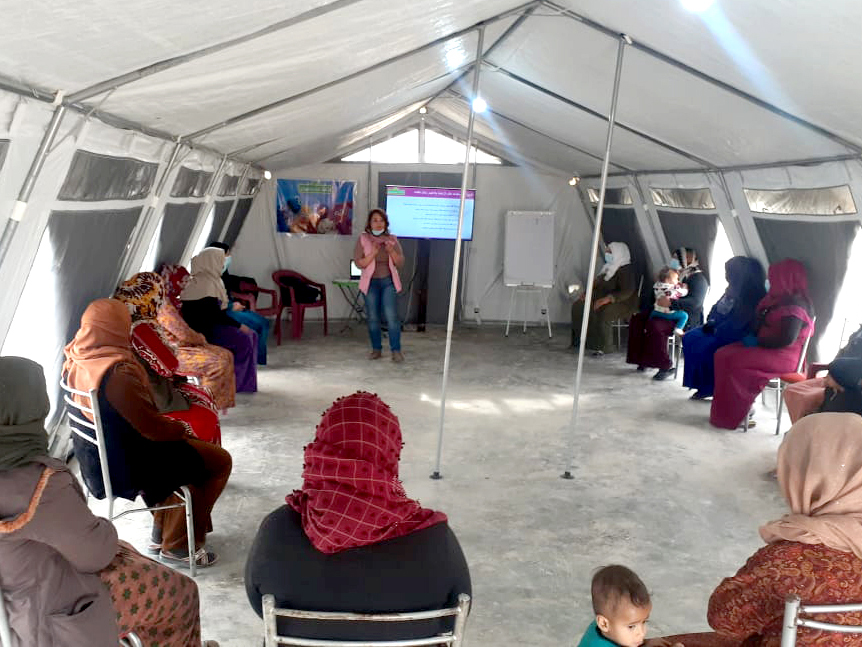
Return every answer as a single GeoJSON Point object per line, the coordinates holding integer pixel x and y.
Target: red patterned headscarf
{"type": "Point", "coordinates": [351, 495]}
{"type": "Point", "coordinates": [175, 278]}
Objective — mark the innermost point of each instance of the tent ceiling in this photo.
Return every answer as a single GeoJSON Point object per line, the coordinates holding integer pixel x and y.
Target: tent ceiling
{"type": "Point", "coordinates": [548, 83]}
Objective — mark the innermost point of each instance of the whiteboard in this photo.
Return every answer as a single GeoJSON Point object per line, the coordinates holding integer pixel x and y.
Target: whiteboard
{"type": "Point", "coordinates": [528, 256]}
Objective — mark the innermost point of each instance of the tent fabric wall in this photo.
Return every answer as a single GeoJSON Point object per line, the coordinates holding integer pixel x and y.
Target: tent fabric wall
{"type": "Point", "coordinates": [824, 249]}
{"type": "Point", "coordinates": [239, 216]}
{"type": "Point", "coordinates": [177, 226]}
{"type": "Point", "coordinates": [259, 250]}
{"type": "Point", "coordinates": [619, 224]}
{"type": "Point", "coordinates": [694, 229]}
{"type": "Point", "coordinates": [222, 211]}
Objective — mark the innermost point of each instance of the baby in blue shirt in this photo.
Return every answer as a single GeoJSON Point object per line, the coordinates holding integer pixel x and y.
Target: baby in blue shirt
{"type": "Point", "coordinates": [622, 606]}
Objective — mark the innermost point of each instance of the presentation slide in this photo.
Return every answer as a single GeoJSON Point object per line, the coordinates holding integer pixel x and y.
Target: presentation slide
{"type": "Point", "coordinates": [418, 212]}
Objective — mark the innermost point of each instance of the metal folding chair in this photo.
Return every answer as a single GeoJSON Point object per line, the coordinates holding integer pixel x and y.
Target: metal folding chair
{"type": "Point", "coordinates": [794, 611]}
{"type": "Point", "coordinates": [453, 638]}
{"type": "Point", "coordinates": [779, 383]}
{"type": "Point", "coordinates": [81, 425]}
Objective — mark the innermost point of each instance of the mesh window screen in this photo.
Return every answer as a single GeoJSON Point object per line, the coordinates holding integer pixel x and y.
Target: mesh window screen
{"type": "Point", "coordinates": [95, 177]}
{"type": "Point", "coordinates": [177, 225]}
{"type": "Point", "coordinates": [222, 210]}
{"type": "Point", "coordinates": [190, 183]}
{"type": "Point", "coordinates": [620, 225]}
{"type": "Point", "coordinates": [697, 230]}
{"type": "Point", "coordinates": [4, 146]}
{"type": "Point", "coordinates": [824, 249]}
{"type": "Point", "coordinates": [228, 185]}
{"type": "Point", "coordinates": [239, 216]}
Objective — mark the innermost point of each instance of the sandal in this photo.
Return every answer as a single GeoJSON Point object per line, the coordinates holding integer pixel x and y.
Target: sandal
{"type": "Point", "coordinates": [210, 643]}
{"type": "Point", "coordinates": [154, 549]}
{"type": "Point", "coordinates": [203, 558]}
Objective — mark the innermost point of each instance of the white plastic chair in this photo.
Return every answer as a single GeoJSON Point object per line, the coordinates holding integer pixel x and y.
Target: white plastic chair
{"type": "Point", "coordinates": [794, 610]}
{"type": "Point", "coordinates": [79, 421]}
{"type": "Point", "coordinates": [453, 638]}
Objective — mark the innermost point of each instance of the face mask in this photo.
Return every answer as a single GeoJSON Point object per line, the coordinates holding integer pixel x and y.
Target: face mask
{"type": "Point", "coordinates": [766, 284]}
{"type": "Point", "coordinates": [675, 264]}
{"type": "Point", "coordinates": [377, 232]}
{"type": "Point", "coordinates": [609, 258]}
{"type": "Point", "coordinates": [226, 264]}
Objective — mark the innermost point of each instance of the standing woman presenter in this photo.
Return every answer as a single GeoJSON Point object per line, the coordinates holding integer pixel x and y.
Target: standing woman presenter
{"type": "Point", "coordinates": [378, 253]}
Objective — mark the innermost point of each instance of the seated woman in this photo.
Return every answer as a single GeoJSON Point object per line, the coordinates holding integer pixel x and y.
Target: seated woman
{"type": "Point", "coordinates": [355, 544]}
{"type": "Point", "coordinates": [647, 345]}
{"type": "Point", "coordinates": [204, 309]}
{"type": "Point", "coordinates": [212, 364]}
{"type": "Point", "coordinates": [237, 309]}
{"type": "Point", "coordinates": [66, 578]}
{"type": "Point", "coordinates": [827, 393]}
{"type": "Point", "coordinates": [614, 297]}
{"type": "Point", "coordinates": [144, 294]}
{"type": "Point", "coordinates": [815, 551]}
{"type": "Point", "coordinates": [743, 368]}
{"type": "Point", "coordinates": [731, 318]}
{"type": "Point", "coordinates": [151, 454]}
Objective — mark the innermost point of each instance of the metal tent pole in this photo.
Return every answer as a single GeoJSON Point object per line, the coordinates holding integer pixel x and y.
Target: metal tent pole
{"type": "Point", "coordinates": [453, 288]}
{"type": "Point", "coordinates": [597, 232]}
{"type": "Point", "coordinates": [32, 175]}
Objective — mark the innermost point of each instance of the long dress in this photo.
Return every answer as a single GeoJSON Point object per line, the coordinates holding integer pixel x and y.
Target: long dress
{"type": "Point", "coordinates": [212, 364]}
{"type": "Point", "coordinates": [623, 286]}
{"type": "Point", "coordinates": [647, 345]}
{"type": "Point", "coordinates": [742, 372]}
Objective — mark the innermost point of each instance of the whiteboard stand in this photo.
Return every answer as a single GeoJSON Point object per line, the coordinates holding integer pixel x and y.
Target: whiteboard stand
{"type": "Point", "coordinates": [529, 289]}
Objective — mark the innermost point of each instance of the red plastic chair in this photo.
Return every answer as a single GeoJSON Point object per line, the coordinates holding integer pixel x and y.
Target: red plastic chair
{"type": "Point", "coordinates": [249, 294]}
{"type": "Point", "coordinates": [297, 310]}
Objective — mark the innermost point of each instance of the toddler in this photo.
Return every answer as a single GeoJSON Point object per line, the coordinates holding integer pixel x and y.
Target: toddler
{"type": "Point", "coordinates": [622, 606]}
{"type": "Point", "coordinates": [666, 289]}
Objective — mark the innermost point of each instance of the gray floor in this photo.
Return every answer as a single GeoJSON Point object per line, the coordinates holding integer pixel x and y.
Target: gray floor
{"type": "Point", "coordinates": [655, 486]}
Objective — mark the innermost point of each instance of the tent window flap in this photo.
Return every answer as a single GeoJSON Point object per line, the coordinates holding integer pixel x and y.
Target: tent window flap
{"type": "Point", "coordinates": [682, 198]}
{"type": "Point", "coordinates": [177, 226]}
{"type": "Point", "coordinates": [612, 196]}
{"type": "Point", "coordinates": [93, 178]}
{"type": "Point", "coordinates": [828, 201]}
{"type": "Point", "coordinates": [222, 210]}
{"type": "Point", "coordinates": [228, 186]}
{"type": "Point", "coordinates": [242, 208]}
{"type": "Point", "coordinates": [693, 231]}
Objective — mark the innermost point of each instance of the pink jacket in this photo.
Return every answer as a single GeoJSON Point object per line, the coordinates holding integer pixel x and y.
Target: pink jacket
{"type": "Point", "coordinates": [366, 240]}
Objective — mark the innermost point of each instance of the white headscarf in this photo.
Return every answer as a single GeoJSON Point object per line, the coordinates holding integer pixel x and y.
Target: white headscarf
{"type": "Point", "coordinates": [622, 256]}
{"type": "Point", "coordinates": [205, 281]}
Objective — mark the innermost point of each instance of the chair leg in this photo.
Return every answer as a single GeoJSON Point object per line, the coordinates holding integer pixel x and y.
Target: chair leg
{"type": "Point", "coordinates": [278, 324]}
{"type": "Point", "coordinates": [190, 529]}
{"type": "Point", "coordinates": [779, 410]}
{"type": "Point", "coordinates": [325, 320]}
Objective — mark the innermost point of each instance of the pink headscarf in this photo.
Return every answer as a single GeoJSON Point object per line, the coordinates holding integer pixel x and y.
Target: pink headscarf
{"type": "Point", "coordinates": [787, 279]}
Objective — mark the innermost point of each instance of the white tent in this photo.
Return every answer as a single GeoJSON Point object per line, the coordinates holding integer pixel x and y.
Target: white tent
{"type": "Point", "coordinates": [150, 113]}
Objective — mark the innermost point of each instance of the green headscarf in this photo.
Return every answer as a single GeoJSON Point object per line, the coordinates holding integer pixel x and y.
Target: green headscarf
{"type": "Point", "coordinates": [23, 408]}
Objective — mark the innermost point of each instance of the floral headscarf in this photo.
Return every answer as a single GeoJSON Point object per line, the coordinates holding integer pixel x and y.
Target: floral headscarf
{"type": "Point", "coordinates": [143, 294]}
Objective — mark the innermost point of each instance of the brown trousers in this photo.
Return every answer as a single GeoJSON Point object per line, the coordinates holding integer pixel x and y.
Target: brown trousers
{"type": "Point", "coordinates": [172, 522]}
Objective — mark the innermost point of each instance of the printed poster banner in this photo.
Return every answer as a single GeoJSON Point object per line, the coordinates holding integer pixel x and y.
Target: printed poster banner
{"type": "Point", "coordinates": [314, 207]}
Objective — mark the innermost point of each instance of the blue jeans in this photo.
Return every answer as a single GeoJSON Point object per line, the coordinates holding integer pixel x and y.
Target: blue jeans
{"type": "Point", "coordinates": [381, 302]}
{"type": "Point", "coordinates": [679, 317]}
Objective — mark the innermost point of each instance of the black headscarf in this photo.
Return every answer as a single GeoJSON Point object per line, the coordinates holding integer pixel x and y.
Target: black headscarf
{"type": "Point", "coordinates": [23, 407]}
{"type": "Point", "coordinates": [745, 288]}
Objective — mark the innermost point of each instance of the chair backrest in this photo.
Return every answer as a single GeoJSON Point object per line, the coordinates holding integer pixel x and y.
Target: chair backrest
{"type": "Point", "coordinates": [804, 353]}
{"type": "Point", "coordinates": [81, 425]}
{"type": "Point", "coordinates": [794, 611]}
{"type": "Point", "coordinates": [453, 638]}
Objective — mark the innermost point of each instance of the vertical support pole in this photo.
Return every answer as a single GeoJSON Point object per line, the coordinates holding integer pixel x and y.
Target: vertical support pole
{"type": "Point", "coordinates": [20, 206]}
{"type": "Point", "coordinates": [597, 232]}
{"type": "Point", "coordinates": [453, 288]}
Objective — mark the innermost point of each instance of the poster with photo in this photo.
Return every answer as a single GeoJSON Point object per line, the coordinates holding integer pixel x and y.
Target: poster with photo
{"type": "Point", "coordinates": [314, 207]}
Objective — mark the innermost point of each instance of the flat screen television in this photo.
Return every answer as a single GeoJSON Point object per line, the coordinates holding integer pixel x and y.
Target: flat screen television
{"type": "Point", "coordinates": [427, 212]}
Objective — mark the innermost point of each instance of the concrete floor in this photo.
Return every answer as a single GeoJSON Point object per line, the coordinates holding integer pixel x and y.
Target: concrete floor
{"type": "Point", "coordinates": [655, 487]}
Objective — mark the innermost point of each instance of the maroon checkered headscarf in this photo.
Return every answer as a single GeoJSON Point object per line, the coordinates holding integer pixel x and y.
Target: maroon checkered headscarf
{"type": "Point", "coordinates": [351, 495]}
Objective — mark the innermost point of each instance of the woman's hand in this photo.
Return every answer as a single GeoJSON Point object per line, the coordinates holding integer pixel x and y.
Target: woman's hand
{"type": "Point", "coordinates": [749, 341]}
{"type": "Point", "coordinates": [832, 384]}
{"type": "Point", "coordinates": [601, 303]}
{"type": "Point", "coordinates": [245, 329]}
{"type": "Point", "coordinates": [237, 306]}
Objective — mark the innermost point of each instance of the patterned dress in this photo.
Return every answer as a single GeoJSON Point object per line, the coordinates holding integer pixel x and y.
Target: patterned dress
{"type": "Point", "coordinates": [158, 603]}
{"type": "Point", "coordinates": [750, 605]}
{"type": "Point", "coordinates": [213, 364]}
